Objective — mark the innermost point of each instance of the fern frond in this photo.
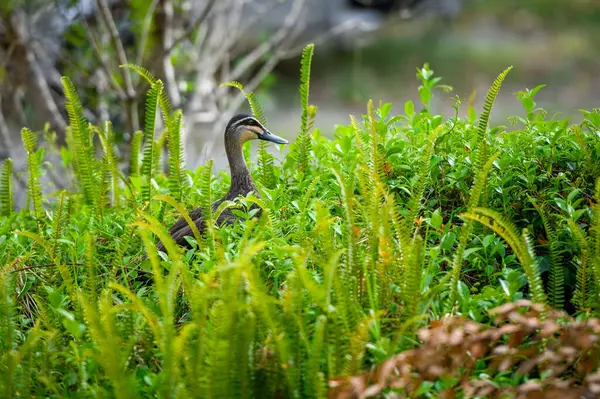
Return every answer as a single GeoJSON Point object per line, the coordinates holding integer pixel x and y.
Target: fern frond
{"type": "Point", "coordinates": [107, 137]}
{"type": "Point", "coordinates": [467, 227]}
{"type": "Point", "coordinates": [305, 66]}
{"type": "Point", "coordinates": [90, 282]}
{"type": "Point", "coordinates": [255, 106]}
{"type": "Point", "coordinates": [82, 139]}
{"type": "Point", "coordinates": [556, 280]}
{"type": "Point", "coordinates": [414, 204]}
{"type": "Point", "coordinates": [6, 188]}
{"type": "Point", "coordinates": [266, 165]}
{"type": "Point", "coordinates": [33, 165]}
{"type": "Point", "coordinates": [351, 263]}
{"type": "Point", "coordinates": [152, 104]}
{"type": "Point", "coordinates": [8, 335]}
{"type": "Point", "coordinates": [143, 72]}
{"type": "Point", "coordinates": [304, 142]}
{"type": "Point", "coordinates": [521, 245]}
{"type": "Point", "coordinates": [134, 154]}
{"type": "Point", "coordinates": [595, 240]}
{"type": "Point", "coordinates": [413, 278]}
{"type": "Point", "coordinates": [375, 170]}
{"type": "Point", "coordinates": [58, 222]}
{"type": "Point", "coordinates": [165, 107]}
{"type": "Point", "coordinates": [481, 156]}
{"type": "Point", "coordinates": [206, 201]}
{"type": "Point", "coordinates": [176, 163]}
{"type": "Point", "coordinates": [583, 296]}
{"type": "Point", "coordinates": [102, 199]}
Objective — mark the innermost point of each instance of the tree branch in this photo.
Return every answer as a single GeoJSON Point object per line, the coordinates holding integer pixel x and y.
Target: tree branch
{"type": "Point", "coordinates": [109, 22]}
{"type": "Point", "coordinates": [103, 64]}
{"type": "Point", "coordinates": [192, 28]}
{"type": "Point", "coordinates": [167, 66]}
{"type": "Point", "coordinates": [254, 56]}
{"type": "Point", "coordinates": [5, 140]}
{"type": "Point", "coordinates": [18, 25]}
{"type": "Point", "coordinates": [145, 32]}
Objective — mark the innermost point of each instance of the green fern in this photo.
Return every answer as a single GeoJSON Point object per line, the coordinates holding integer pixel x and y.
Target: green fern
{"type": "Point", "coordinates": [136, 147]}
{"type": "Point", "coordinates": [8, 338]}
{"type": "Point", "coordinates": [375, 158]}
{"type": "Point", "coordinates": [414, 204]}
{"type": "Point", "coordinates": [148, 162]}
{"type": "Point", "coordinates": [413, 279]}
{"type": "Point", "coordinates": [59, 220]}
{"type": "Point", "coordinates": [206, 201]}
{"type": "Point", "coordinates": [304, 142]}
{"type": "Point", "coordinates": [91, 283]}
{"type": "Point", "coordinates": [556, 279]}
{"type": "Point", "coordinates": [143, 72]}
{"type": "Point", "coordinates": [6, 188]}
{"type": "Point", "coordinates": [176, 165]}
{"type": "Point", "coordinates": [520, 243]}
{"type": "Point", "coordinates": [595, 240]}
{"type": "Point", "coordinates": [102, 200]}
{"type": "Point", "coordinates": [82, 139]}
{"type": "Point", "coordinates": [33, 165]}
{"type": "Point", "coordinates": [165, 107]}
{"type": "Point", "coordinates": [159, 147]}
{"type": "Point", "coordinates": [107, 137]}
{"type": "Point", "coordinates": [584, 293]}
{"type": "Point", "coordinates": [481, 155]}
{"type": "Point", "coordinates": [255, 106]}
{"type": "Point", "coordinates": [467, 227]}
{"type": "Point", "coordinates": [347, 195]}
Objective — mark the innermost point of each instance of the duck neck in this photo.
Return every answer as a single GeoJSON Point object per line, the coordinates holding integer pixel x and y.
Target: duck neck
{"type": "Point", "coordinates": [241, 179]}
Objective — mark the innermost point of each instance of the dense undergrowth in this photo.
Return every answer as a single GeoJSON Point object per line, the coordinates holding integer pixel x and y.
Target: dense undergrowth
{"type": "Point", "coordinates": [365, 238]}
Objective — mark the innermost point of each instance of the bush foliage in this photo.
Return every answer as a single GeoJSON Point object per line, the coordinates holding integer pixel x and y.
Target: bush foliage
{"type": "Point", "coordinates": [394, 223]}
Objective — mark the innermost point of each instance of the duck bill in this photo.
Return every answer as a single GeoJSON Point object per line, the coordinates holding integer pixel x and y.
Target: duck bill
{"type": "Point", "coordinates": [268, 136]}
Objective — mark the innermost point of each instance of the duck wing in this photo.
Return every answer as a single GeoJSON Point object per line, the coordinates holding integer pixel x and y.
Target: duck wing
{"type": "Point", "coordinates": [181, 228]}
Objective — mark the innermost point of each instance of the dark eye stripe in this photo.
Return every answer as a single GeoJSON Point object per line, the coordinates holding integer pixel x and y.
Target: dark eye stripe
{"type": "Point", "coordinates": [250, 121]}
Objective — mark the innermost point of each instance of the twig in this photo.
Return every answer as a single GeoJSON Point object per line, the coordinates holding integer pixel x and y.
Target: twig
{"type": "Point", "coordinates": [18, 25]}
{"type": "Point", "coordinates": [167, 66]}
{"type": "Point", "coordinates": [255, 55]}
{"type": "Point", "coordinates": [5, 140]}
{"type": "Point", "coordinates": [103, 64]}
{"type": "Point", "coordinates": [192, 28]}
{"type": "Point", "coordinates": [145, 32]}
{"type": "Point", "coordinates": [109, 22]}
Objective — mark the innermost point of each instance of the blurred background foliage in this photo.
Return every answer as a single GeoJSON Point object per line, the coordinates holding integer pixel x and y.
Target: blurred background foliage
{"type": "Point", "coordinates": [549, 42]}
{"type": "Point", "coordinates": [367, 49]}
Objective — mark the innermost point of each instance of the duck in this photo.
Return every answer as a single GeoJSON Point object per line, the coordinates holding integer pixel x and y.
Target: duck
{"type": "Point", "coordinates": [240, 129]}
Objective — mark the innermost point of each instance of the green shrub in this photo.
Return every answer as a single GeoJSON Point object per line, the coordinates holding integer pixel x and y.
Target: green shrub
{"type": "Point", "coordinates": [364, 238]}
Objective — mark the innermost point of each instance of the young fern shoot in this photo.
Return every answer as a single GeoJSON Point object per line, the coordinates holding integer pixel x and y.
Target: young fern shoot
{"type": "Point", "coordinates": [6, 188]}
{"type": "Point", "coordinates": [303, 145]}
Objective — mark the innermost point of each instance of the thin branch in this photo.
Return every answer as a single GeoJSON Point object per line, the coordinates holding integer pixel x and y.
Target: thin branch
{"type": "Point", "coordinates": [109, 22]}
{"type": "Point", "coordinates": [145, 32]}
{"type": "Point", "coordinates": [103, 64]}
{"type": "Point", "coordinates": [167, 66]}
{"type": "Point", "coordinates": [18, 25]}
{"type": "Point", "coordinates": [337, 30]}
{"type": "Point", "coordinates": [259, 52]}
{"type": "Point", "coordinates": [193, 27]}
{"type": "Point", "coordinates": [5, 140]}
